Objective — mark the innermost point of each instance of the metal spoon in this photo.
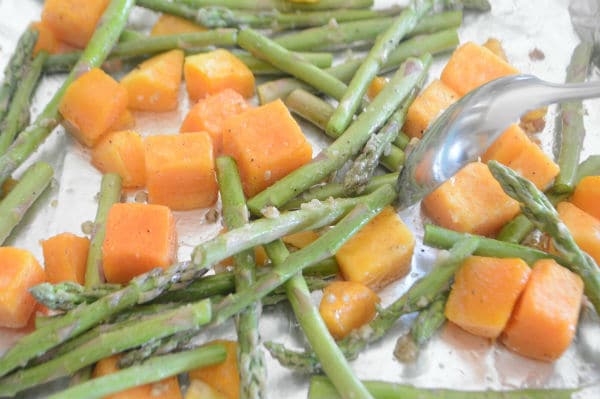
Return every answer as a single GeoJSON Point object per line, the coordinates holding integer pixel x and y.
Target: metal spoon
{"type": "Point", "coordinates": [463, 132]}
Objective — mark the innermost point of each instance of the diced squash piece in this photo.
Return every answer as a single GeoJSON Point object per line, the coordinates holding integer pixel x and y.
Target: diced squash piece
{"type": "Point", "coordinates": [122, 153]}
{"type": "Point", "coordinates": [210, 73]}
{"type": "Point", "coordinates": [139, 238]}
{"type": "Point", "coordinates": [91, 105]}
{"type": "Point", "coordinates": [471, 202]}
{"type": "Point", "coordinates": [508, 146]}
{"type": "Point", "coordinates": [427, 107]}
{"type": "Point", "coordinates": [154, 84]}
{"type": "Point", "coordinates": [347, 305]}
{"type": "Point", "coordinates": [495, 46]}
{"type": "Point", "coordinates": [65, 258]}
{"type": "Point", "coordinates": [172, 25]}
{"type": "Point", "coordinates": [73, 21]}
{"type": "Point", "coordinates": [200, 390]}
{"type": "Point", "coordinates": [223, 377]}
{"type": "Point", "coordinates": [379, 253]}
{"type": "Point", "coordinates": [19, 271]}
{"type": "Point", "coordinates": [533, 121]}
{"type": "Point", "coordinates": [587, 195]}
{"type": "Point", "coordinates": [267, 144]}
{"type": "Point", "coordinates": [180, 171]}
{"type": "Point", "coordinates": [377, 84]}
{"type": "Point", "coordinates": [125, 121]}
{"type": "Point", "coordinates": [471, 66]}
{"type": "Point", "coordinates": [164, 389]}
{"type": "Point", "coordinates": [484, 293]}
{"type": "Point", "coordinates": [301, 239]}
{"type": "Point", "coordinates": [46, 40]}
{"type": "Point", "coordinates": [584, 227]}
{"type": "Point", "coordinates": [210, 113]}
{"type": "Point", "coordinates": [544, 320]}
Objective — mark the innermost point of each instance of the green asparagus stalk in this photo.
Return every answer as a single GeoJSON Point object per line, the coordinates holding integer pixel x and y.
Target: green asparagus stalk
{"type": "Point", "coordinates": [153, 327]}
{"type": "Point", "coordinates": [572, 130]}
{"type": "Point", "coordinates": [153, 370]}
{"type": "Point", "coordinates": [542, 214]}
{"type": "Point", "coordinates": [589, 167]}
{"type": "Point", "coordinates": [307, 19]}
{"type": "Point", "coordinates": [259, 67]}
{"type": "Point", "coordinates": [106, 34]}
{"type": "Point", "coordinates": [18, 113]}
{"type": "Point", "coordinates": [334, 156]}
{"type": "Point", "coordinates": [18, 201]}
{"type": "Point", "coordinates": [476, 5]}
{"type": "Point", "coordinates": [282, 5]}
{"type": "Point", "coordinates": [110, 194]}
{"type": "Point", "coordinates": [129, 35]}
{"type": "Point", "coordinates": [68, 295]}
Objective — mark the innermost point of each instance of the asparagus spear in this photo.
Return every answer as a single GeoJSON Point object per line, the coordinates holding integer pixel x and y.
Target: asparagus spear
{"type": "Point", "coordinates": [153, 327]}
{"type": "Point", "coordinates": [27, 190]}
{"type": "Point", "coordinates": [107, 33]}
{"type": "Point", "coordinates": [334, 156]}
{"type": "Point", "coordinates": [542, 214]}
{"type": "Point", "coordinates": [282, 5]}
{"type": "Point", "coordinates": [153, 370]}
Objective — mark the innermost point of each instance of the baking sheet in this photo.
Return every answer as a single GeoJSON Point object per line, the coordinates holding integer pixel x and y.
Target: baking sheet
{"type": "Point", "coordinates": [454, 359]}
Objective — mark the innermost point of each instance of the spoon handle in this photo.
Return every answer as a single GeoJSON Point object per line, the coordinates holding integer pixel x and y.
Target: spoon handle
{"type": "Point", "coordinates": [554, 93]}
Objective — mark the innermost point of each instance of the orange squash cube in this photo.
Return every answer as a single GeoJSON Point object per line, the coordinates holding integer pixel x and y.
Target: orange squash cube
{"type": "Point", "coordinates": [267, 144]}
{"type": "Point", "coordinates": [301, 239]}
{"type": "Point", "coordinates": [544, 320]}
{"type": "Point", "coordinates": [139, 238]}
{"type": "Point", "coordinates": [164, 389]}
{"type": "Point", "coordinates": [180, 171]}
{"type": "Point", "coordinates": [471, 66]}
{"type": "Point", "coordinates": [91, 105]}
{"type": "Point", "coordinates": [46, 40]}
{"type": "Point", "coordinates": [154, 84]}
{"type": "Point", "coordinates": [172, 25]}
{"type": "Point", "coordinates": [379, 253]}
{"type": "Point", "coordinates": [210, 73]}
{"type": "Point", "coordinates": [201, 390]}
{"type": "Point", "coordinates": [377, 84]}
{"type": "Point", "coordinates": [587, 195]}
{"type": "Point", "coordinates": [223, 377]}
{"type": "Point", "coordinates": [427, 107]}
{"type": "Point", "coordinates": [471, 202]}
{"type": "Point", "coordinates": [19, 272]}
{"type": "Point", "coordinates": [495, 46]}
{"type": "Point", "coordinates": [125, 121]}
{"type": "Point", "coordinates": [584, 227]}
{"type": "Point", "coordinates": [484, 293]}
{"type": "Point", "coordinates": [508, 146]}
{"type": "Point", "coordinates": [210, 113]}
{"type": "Point", "coordinates": [65, 258]}
{"type": "Point", "coordinates": [122, 153]}
{"type": "Point", "coordinates": [73, 21]}
{"type": "Point", "coordinates": [346, 306]}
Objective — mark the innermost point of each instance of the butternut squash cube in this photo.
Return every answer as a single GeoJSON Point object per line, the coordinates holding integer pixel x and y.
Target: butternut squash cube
{"type": "Point", "coordinates": [377, 84]}
{"type": "Point", "coordinates": [172, 25]}
{"type": "Point", "coordinates": [587, 195]}
{"type": "Point", "coordinates": [301, 239]}
{"type": "Point", "coordinates": [484, 293]}
{"type": "Point", "coordinates": [125, 121]}
{"type": "Point", "coordinates": [200, 390]}
{"type": "Point", "coordinates": [584, 227]}
{"type": "Point", "coordinates": [154, 84]}
{"type": "Point", "coordinates": [471, 66]}
{"type": "Point", "coordinates": [122, 153]}
{"type": "Point", "coordinates": [508, 146]}
{"type": "Point", "coordinates": [346, 306]}
{"type": "Point", "coordinates": [267, 144]}
{"type": "Point", "coordinates": [210, 113]}
{"type": "Point", "coordinates": [180, 171]}
{"type": "Point", "coordinates": [73, 21]}
{"type": "Point", "coordinates": [223, 377]}
{"type": "Point", "coordinates": [65, 258]}
{"type": "Point", "coordinates": [210, 73]}
{"type": "Point", "coordinates": [379, 253]}
{"type": "Point", "coordinates": [495, 46]}
{"type": "Point", "coordinates": [471, 202]}
{"type": "Point", "coordinates": [139, 238]}
{"type": "Point", "coordinates": [19, 272]}
{"type": "Point", "coordinates": [91, 105]}
{"type": "Point", "coordinates": [427, 107]}
{"type": "Point", "coordinates": [46, 40]}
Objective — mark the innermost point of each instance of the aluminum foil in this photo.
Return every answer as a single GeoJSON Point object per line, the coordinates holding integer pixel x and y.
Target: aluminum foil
{"type": "Point", "coordinates": [454, 359]}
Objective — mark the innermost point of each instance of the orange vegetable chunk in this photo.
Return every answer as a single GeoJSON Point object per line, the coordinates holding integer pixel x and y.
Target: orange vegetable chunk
{"type": "Point", "coordinates": [471, 202]}
{"type": "Point", "coordinates": [427, 107]}
{"type": "Point", "coordinates": [154, 84]}
{"type": "Point", "coordinates": [223, 377]}
{"type": "Point", "coordinates": [377, 84]}
{"type": "Point", "coordinates": [201, 390]}
{"type": "Point", "coordinates": [379, 253]}
{"type": "Point", "coordinates": [471, 66]}
{"type": "Point", "coordinates": [164, 389]}
{"type": "Point", "coordinates": [65, 258]}
{"type": "Point", "coordinates": [210, 73]}
{"type": "Point", "coordinates": [46, 40]}
{"type": "Point", "coordinates": [347, 305]}
{"type": "Point", "coordinates": [544, 320]}
{"type": "Point", "coordinates": [172, 25]}
{"type": "Point", "coordinates": [266, 143]}
{"type": "Point", "coordinates": [125, 121]}
{"type": "Point", "coordinates": [73, 21]}
{"type": "Point", "coordinates": [209, 115]}
{"type": "Point", "coordinates": [139, 238]}
{"type": "Point", "coordinates": [508, 146]}
{"type": "Point", "coordinates": [19, 271]}
{"type": "Point", "coordinates": [301, 239]}
{"type": "Point", "coordinates": [584, 227]}
{"type": "Point", "coordinates": [122, 153]}
{"type": "Point", "coordinates": [180, 171]}
{"type": "Point", "coordinates": [91, 105]}
{"type": "Point", "coordinates": [495, 46]}
{"type": "Point", "coordinates": [587, 195]}
{"type": "Point", "coordinates": [484, 293]}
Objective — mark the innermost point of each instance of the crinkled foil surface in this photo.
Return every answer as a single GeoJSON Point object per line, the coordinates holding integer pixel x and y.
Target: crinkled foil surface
{"type": "Point", "coordinates": [454, 359]}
